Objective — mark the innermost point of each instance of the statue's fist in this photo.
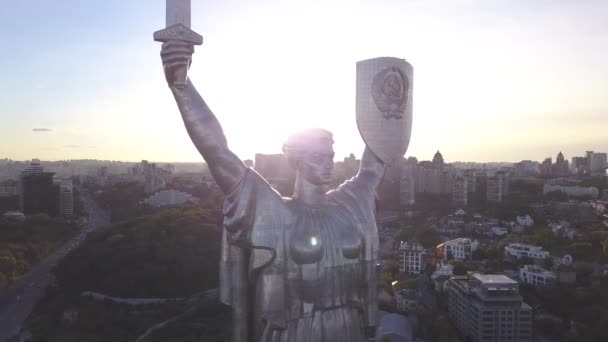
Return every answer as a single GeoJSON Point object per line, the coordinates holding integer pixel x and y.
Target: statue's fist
{"type": "Point", "coordinates": [176, 56]}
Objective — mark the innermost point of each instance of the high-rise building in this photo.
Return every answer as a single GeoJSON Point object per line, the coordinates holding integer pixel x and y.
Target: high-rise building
{"type": "Point", "coordinates": [494, 189]}
{"type": "Point", "coordinates": [471, 176]}
{"type": "Point", "coordinates": [460, 191]}
{"type": "Point", "coordinates": [408, 182]}
{"type": "Point", "coordinates": [33, 168]}
{"type": "Point", "coordinates": [66, 198]}
{"type": "Point", "coordinates": [410, 254]}
{"type": "Point", "coordinates": [561, 167]}
{"type": "Point", "coordinates": [506, 180]}
{"type": "Point", "coordinates": [488, 308]}
{"type": "Point", "coordinates": [579, 166]}
{"type": "Point", "coordinates": [598, 164]}
{"type": "Point", "coordinates": [40, 194]}
{"type": "Point", "coordinates": [546, 168]}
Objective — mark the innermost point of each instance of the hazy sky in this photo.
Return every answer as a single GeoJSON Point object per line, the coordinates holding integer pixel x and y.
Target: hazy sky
{"type": "Point", "coordinates": [493, 80]}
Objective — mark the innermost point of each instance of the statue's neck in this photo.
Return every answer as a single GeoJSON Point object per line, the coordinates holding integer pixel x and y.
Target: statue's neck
{"type": "Point", "coordinates": [307, 192]}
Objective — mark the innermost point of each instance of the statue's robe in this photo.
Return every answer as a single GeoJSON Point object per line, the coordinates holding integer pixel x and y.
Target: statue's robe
{"type": "Point", "coordinates": [293, 272]}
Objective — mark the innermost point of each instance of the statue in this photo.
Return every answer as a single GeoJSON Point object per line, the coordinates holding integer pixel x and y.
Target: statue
{"type": "Point", "coordinates": [300, 268]}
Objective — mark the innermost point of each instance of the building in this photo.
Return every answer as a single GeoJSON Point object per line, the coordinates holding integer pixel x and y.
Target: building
{"type": "Point", "coordinates": [597, 163]}
{"type": "Point", "coordinates": [40, 194]}
{"type": "Point", "coordinates": [527, 168]}
{"type": "Point", "coordinates": [394, 328]}
{"type": "Point", "coordinates": [461, 249]}
{"type": "Point", "coordinates": [408, 182]}
{"type": "Point", "coordinates": [561, 167]}
{"type": "Point", "coordinates": [66, 198]}
{"type": "Point", "coordinates": [406, 300]}
{"type": "Point", "coordinates": [520, 250]}
{"type": "Point", "coordinates": [33, 168]}
{"type": "Point", "coordinates": [535, 275]}
{"type": "Point", "coordinates": [9, 190]}
{"type": "Point", "coordinates": [574, 191]}
{"type": "Point", "coordinates": [488, 308]}
{"type": "Point", "coordinates": [460, 191]}
{"type": "Point", "coordinates": [494, 189]}
{"type": "Point", "coordinates": [170, 197]}
{"type": "Point", "coordinates": [546, 168]}
{"type": "Point", "coordinates": [579, 166]}
{"type": "Point", "coordinates": [410, 257]}
{"type": "Point", "coordinates": [472, 179]}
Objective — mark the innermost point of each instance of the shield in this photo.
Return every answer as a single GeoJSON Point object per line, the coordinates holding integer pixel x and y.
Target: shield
{"type": "Point", "coordinates": [384, 106]}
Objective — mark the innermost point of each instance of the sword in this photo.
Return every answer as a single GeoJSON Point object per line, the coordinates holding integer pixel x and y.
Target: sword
{"type": "Point", "coordinates": [178, 28]}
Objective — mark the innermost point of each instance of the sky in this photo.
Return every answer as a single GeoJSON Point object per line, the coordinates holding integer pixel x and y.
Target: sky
{"type": "Point", "coordinates": [494, 80]}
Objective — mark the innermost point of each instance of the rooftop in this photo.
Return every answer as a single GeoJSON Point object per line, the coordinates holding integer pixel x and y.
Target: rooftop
{"type": "Point", "coordinates": [493, 278]}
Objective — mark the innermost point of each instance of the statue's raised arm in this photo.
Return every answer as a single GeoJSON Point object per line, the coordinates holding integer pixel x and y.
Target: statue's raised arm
{"type": "Point", "coordinates": [202, 125]}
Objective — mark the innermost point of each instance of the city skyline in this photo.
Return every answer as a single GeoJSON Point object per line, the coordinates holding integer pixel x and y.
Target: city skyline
{"type": "Point", "coordinates": [493, 81]}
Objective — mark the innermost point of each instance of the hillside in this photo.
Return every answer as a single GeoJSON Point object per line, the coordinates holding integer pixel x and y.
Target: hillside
{"type": "Point", "coordinates": [170, 254]}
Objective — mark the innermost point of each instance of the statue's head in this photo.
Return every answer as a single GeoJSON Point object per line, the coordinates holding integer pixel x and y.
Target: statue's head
{"type": "Point", "coordinates": [311, 153]}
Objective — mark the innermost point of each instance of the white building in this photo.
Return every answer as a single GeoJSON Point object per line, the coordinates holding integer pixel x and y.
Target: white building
{"type": "Point", "coordinates": [534, 275]}
{"type": "Point", "coordinates": [520, 250]}
{"type": "Point", "coordinates": [410, 257]}
{"type": "Point", "coordinates": [525, 220]}
{"type": "Point", "coordinates": [499, 231]}
{"type": "Point", "coordinates": [170, 197]}
{"type": "Point", "coordinates": [461, 249]}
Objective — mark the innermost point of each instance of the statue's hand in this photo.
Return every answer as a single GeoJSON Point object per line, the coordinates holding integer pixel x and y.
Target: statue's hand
{"type": "Point", "coordinates": [177, 57]}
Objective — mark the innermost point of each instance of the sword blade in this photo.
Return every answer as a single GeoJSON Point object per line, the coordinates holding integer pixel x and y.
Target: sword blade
{"type": "Point", "coordinates": [178, 12]}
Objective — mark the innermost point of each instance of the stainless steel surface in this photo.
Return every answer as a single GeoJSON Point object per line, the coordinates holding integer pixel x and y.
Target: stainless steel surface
{"type": "Point", "coordinates": [384, 106]}
{"type": "Point", "coordinates": [293, 269]}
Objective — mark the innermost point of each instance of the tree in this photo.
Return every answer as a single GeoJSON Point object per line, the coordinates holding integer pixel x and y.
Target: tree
{"type": "Point", "coordinates": [392, 268]}
{"type": "Point", "coordinates": [460, 268]}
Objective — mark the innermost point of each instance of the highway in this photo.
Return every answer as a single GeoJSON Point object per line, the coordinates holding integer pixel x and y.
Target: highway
{"type": "Point", "coordinates": [19, 300]}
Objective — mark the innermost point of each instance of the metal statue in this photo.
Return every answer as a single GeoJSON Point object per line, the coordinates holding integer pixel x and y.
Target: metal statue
{"type": "Point", "coordinates": [300, 268]}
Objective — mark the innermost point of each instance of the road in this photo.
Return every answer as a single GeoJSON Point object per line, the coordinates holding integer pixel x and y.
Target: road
{"type": "Point", "coordinates": [18, 301]}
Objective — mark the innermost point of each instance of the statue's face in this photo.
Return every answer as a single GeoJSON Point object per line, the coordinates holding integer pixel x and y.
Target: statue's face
{"type": "Point", "coordinates": [317, 164]}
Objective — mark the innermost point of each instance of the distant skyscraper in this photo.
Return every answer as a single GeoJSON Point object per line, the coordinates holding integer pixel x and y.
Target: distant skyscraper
{"type": "Point", "coordinates": [494, 189]}
{"type": "Point", "coordinates": [561, 167]}
{"type": "Point", "coordinates": [472, 180]}
{"type": "Point", "coordinates": [546, 168]}
{"type": "Point", "coordinates": [488, 308]}
{"type": "Point", "coordinates": [66, 198]}
{"type": "Point", "coordinates": [460, 191]}
{"type": "Point", "coordinates": [33, 168]}
{"type": "Point", "coordinates": [40, 194]}
{"type": "Point", "coordinates": [408, 182]}
{"type": "Point", "coordinates": [598, 163]}
{"type": "Point", "coordinates": [438, 160]}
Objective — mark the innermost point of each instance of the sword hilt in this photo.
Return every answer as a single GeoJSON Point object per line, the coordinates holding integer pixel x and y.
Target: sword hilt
{"type": "Point", "coordinates": [185, 34]}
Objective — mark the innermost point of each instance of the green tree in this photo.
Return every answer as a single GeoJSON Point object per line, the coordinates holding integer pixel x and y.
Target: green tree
{"type": "Point", "coordinates": [460, 268]}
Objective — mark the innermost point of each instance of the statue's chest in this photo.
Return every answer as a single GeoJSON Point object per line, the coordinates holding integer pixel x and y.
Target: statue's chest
{"type": "Point", "coordinates": [326, 236]}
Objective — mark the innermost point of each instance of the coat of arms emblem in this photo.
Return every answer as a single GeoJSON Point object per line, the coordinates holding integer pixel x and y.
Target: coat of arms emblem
{"type": "Point", "coordinates": [390, 92]}
{"type": "Point", "coordinates": [384, 106]}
